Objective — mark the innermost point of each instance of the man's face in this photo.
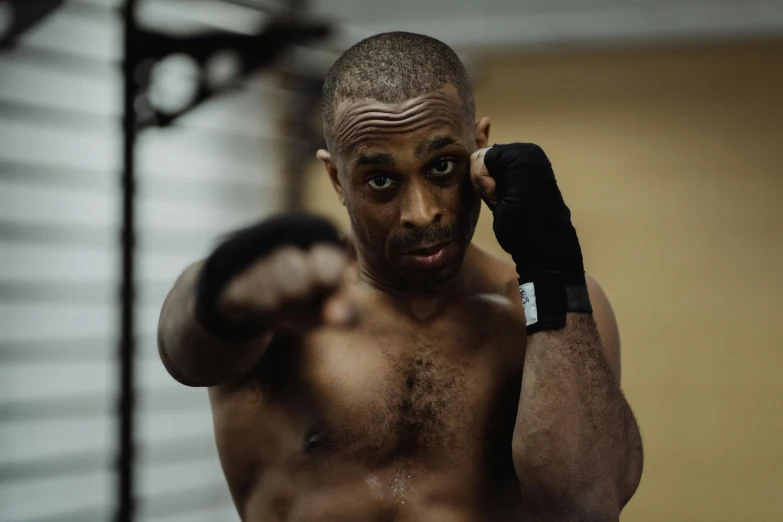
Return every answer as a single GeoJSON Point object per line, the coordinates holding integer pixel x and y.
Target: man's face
{"type": "Point", "coordinates": [403, 172]}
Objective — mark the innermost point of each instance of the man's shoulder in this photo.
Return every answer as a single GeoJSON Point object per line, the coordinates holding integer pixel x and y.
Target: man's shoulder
{"type": "Point", "coordinates": [492, 275]}
{"type": "Point", "coordinates": [492, 269]}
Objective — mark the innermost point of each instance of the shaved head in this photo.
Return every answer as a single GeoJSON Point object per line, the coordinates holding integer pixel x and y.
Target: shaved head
{"type": "Point", "coordinates": [394, 67]}
{"type": "Point", "coordinates": [399, 122]}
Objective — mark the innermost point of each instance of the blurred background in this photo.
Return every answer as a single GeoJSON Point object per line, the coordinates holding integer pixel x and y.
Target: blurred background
{"type": "Point", "coordinates": [663, 119]}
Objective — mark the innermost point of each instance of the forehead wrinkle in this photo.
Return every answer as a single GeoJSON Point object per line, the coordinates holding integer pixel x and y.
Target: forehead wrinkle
{"type": "Point", "coordinates": [403, 106]}
{"type": "Point", "coordinates": [355, 118]}
{"type": "Point", "coordinates": [358, 124]}
{"type": "Point", "coordinates": [368, 128]}
{"type": "Point", "coordinates": [358, 112]}
{"type": "Point", "coordinates": [374, 133]}
{"type": "Point", "coordinates": [360, 132]}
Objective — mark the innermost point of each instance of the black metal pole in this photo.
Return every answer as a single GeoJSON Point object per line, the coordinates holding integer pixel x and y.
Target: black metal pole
{"type": "Point", "coordinates": [125, 478]}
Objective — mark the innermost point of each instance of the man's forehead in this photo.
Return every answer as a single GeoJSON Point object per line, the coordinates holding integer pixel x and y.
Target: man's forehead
{"type": "Point", "coordinates": [445, 99]}
{"type": "Point", "coordinates": [362, 125]}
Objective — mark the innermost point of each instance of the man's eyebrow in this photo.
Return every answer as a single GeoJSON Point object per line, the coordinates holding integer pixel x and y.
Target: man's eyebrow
{"type": "Point", "coordinates": [375, 158]}
{"type": "Point", "coordinates": [434, 144]}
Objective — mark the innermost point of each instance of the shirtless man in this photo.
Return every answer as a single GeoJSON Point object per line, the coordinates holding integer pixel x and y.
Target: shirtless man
{"type": "Point", "coordinates": [403, 378]}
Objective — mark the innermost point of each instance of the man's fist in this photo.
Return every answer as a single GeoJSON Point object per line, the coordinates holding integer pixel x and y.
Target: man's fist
{"type": "Point", "coordinates": [283, 272]}
{"type": "Point", "coordinates": [291, 289]}
{"type": "Point", "coordinates": [532, 222]}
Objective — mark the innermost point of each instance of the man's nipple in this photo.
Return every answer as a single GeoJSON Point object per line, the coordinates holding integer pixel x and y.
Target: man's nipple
{"type": "Point", "coordinates": [317, 439]}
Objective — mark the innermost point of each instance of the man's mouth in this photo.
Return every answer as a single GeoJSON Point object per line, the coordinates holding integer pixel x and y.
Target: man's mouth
{"type": "Point", "coordinates": [427, 250]}
{"type": "Point", "coordinates": [430, 256]}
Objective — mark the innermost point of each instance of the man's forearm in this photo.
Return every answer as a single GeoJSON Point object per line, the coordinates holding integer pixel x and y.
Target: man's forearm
{"type": "Point", "coordinates": [577, 449]}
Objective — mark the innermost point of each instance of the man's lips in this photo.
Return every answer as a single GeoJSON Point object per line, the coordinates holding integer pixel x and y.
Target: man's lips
{"type": "Point", "coordinates": [429, 257]}
{"type": "Point", "coordinates": [428, 250]}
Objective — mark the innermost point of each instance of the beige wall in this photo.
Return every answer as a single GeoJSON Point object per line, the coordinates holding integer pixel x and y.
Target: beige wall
{"type": "Point", "coordinates": [672, 163]}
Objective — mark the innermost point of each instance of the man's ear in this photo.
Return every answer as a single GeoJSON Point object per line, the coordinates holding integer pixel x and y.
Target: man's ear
{"type": "Point", "coordinates": [331, 169]}
{"type": "Point", "coordinates": [482, 133]}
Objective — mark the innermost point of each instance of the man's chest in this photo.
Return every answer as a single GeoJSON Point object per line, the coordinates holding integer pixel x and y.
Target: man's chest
{"type": "Point", "coordinates": [392, 389]}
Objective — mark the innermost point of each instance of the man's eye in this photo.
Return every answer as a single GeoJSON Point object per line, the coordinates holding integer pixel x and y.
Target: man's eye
{"type": "Point", "coordinates": [443, 167]}
{"type": "Point", "coordinates": [380, 182]}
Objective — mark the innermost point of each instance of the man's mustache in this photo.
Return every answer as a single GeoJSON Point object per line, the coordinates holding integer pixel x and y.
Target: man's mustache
{"type": "Point", "coordinates": [423, 237]}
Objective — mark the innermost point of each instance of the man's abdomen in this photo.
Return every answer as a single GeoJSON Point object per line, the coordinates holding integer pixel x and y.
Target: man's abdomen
{"type": "Point", "coordinates": [399, 493]}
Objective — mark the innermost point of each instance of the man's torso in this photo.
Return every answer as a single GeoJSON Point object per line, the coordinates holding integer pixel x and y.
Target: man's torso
{"type": "Point", "coordinates": [397, 419]}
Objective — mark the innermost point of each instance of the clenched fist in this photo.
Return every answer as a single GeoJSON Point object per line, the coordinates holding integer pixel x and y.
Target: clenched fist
{"type": "Point", "coordinates": [532, 223]}
{"type": "Point", "coordinates": [291, 288]}
{"type": "Point", "coordinates": [286, 273]}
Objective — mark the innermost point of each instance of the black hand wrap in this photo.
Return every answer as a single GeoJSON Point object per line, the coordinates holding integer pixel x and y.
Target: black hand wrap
{"type": "Point", "coordinates": [238, 252]}
{"type": "Point", "coordinates": [533, 224]}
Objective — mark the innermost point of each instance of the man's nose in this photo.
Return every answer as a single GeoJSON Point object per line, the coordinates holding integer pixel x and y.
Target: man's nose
{"type": "Point", "coordinates": [420, 207]}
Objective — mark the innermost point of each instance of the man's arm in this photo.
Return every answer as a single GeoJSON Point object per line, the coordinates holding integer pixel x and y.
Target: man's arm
{"type": "Point", "coordinates": [281, 274]}
{"type": "Point", "coordinates": [576, 445]}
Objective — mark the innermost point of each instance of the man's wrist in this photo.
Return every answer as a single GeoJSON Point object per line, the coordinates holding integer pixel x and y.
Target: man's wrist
{"type": "Point", "coordinates": [547, 299]}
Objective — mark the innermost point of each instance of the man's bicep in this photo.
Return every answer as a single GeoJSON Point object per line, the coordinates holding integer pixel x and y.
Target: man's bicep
{"type": "Point", "coordinates": [607, 325]}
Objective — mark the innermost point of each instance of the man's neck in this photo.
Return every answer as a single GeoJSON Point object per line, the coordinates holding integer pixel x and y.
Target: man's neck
{"type": "Point", "coordinates": [420, 304]}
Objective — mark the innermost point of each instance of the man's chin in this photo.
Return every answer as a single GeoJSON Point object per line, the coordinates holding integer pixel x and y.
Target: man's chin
{"type": "Point", "coordinates": [434, 280]}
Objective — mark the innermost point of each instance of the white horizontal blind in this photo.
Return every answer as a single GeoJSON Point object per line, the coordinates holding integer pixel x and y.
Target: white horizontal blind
{"type": "Point", "coordinates": [60, 160]}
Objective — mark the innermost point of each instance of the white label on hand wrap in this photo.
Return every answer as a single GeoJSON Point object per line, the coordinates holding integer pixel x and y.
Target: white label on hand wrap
{"type": "Point", "coordinates": [528, 293]}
